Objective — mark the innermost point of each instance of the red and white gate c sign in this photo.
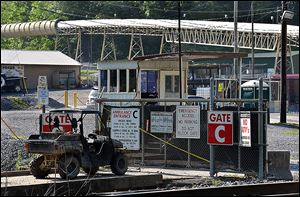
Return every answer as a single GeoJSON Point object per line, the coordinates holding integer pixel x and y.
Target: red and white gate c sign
{"type": "Point", "coordinates": [219, 128]}
{"type": "Point", "coordinates": [64, 122]}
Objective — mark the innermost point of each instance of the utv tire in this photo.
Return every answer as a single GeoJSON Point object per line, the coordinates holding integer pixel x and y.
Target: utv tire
{"type": "Point", "coordinates": [91, 171]}
{"type": "Point", "coordinates": [119, 164]}
{"type": "Point", "coordinates": [36, 170]}
{"type": "Point", "coordinates": [18, 88]}
{"type": "Point", "coordinates": [68, 167]}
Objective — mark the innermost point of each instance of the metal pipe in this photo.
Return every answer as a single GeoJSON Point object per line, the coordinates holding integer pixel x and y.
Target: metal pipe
{"type": "Point", "coordinates": [179, 51]}
{"type": "Point", "coordinates": [235, 37]}
{"type": "Point", "coordinates": [252, 38]}
{"type": "Point", "coordinates": [211, 147]}
{"type": "Point", "coordinates": [260, 131]}
{"type": "Point", "coordinates": [143, 137]}
{"type": "Point", "coordinates": [100, 100]}
{"type": "Point", "coordinates": [283, 65]}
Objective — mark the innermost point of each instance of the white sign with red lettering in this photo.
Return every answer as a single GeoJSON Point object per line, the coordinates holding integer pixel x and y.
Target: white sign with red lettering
{"type": "Point", "coordinates": [64, 122]}
{"type": "Point", "coordinates": [188, 122]}
{"type": "Point", "coordinates": [245, 129]}
{"type": "Point", "coordinates": [220, 127]}
{"type": "Point", "coordinates": [125, 125]}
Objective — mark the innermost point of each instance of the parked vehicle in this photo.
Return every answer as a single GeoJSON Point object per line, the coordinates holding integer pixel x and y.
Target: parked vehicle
{"type": "Point", "coordinates": [73, 150]}
{"type": "Point", "coordinates": [14, 84]}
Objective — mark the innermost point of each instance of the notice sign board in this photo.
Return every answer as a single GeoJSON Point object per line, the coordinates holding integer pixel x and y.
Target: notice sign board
{"type": "Point", "coordinates": [245, 129]}
{"type": "Point", "coordinates": [188, 122]}
{"type": "Point", "coordinates": [219, 127]}
{"type": "Point", "coordinates": [161, 122]}
{"type": "Point", "coordinates": [64, 122]}
{"type": "Point", "coordinates": [43, 96]}
{"type": "Point", "coordinates": [125, 125]}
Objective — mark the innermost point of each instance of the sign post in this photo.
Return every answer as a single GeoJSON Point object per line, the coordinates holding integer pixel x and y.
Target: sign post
{"type": "Point", "coordinates": [245, 129]}
{"type": "Point", "coordinates": [188, 125]}
{"type": "Point", "coordinates": [220, 128]}
{"type": "Point", "coordinates": [125, 125]}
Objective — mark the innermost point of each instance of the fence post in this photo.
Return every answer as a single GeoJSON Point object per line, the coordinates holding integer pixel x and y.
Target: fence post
{"type": "Point", "coordinates": [143, 126]}
{"type": "Point", "coordinates": [189, 156]}
{"type": "Point", "coordinates": [211, 147]}
{"type": "Point", "coordinates": [260, 131]}
{"type": "Point", "coordinates": [165, 145]}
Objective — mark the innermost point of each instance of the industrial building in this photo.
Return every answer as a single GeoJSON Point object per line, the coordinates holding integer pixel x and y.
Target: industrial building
{"type": "Point", "coordinates": [62, 71]}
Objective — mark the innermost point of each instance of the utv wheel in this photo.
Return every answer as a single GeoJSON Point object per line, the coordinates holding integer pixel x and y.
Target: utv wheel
{"type": "Point", "coordinates": [91, 171]}
{"type": "Point", "coordinates": [17, 88]}
{"type": "Point", "coordinates": [119, 164]}
{"type": "Point", "coordinates": [68, 167]}
{"type": "Point", "coordinates": [37, 169]}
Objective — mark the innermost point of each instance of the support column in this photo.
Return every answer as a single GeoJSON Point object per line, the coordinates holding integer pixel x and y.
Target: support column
{"type": "Point", "coordinates": [136, 46]}
{"type": "Point", "coordinates": [108, 51]}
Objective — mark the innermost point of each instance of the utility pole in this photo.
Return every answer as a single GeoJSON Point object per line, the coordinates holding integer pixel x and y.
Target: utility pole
{"type": "Point", "coordinates": [235, 50]}
{"type": "Point", "coordinates": [283, 64]}
{"type": "Point", "coordinates": [179, 51]}
{"type": "Point", "coordinates": [253, 41]}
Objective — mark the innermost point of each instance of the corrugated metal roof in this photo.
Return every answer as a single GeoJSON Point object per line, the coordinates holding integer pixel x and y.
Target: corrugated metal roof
{"type": "Point", "coordinates": [203, 55]}
{"type": "Point", "coordinates": [27, 57]}
{"type": "Point", "coordinates": [292, 30]}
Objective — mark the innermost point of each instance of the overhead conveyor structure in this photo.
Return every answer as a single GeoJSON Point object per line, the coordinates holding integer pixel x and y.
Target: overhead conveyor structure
{"type": "Point", "coordinates": [213, 33]}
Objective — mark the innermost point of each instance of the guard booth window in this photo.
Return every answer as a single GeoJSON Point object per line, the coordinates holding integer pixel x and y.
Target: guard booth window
{"type": "Point", "coordinates": [119, 80]}
{"type": "Point", "coordinates": [122, 80]}
{"type": "Point", "coordinates": [132, 80]}
{"type": "Point", "coordinates": [113, 81]}
{"type": "Point", "coordinates": [103, 80]}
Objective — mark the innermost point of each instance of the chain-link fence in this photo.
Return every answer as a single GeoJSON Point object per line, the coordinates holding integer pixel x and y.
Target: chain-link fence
{"type": "Point", "coordinates": [165, 149]}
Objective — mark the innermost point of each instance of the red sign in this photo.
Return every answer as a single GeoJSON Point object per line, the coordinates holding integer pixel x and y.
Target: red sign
{"type": "Point", "coordinates": [64, 122]}
{"type": "Point", "coordinates": [219, 128]}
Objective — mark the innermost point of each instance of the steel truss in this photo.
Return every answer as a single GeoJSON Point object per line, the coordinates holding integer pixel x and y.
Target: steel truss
{"type": "Point", "coordinates": [136, 46]}
{"type": "Point", "coordinates": [108, 51]}
{"type": "Point", "coordinates": [289, 62]}
{"type": "Point", "coordinates": [224, 38]}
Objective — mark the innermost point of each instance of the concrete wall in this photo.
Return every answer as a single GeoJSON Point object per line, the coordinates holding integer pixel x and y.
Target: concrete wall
{"type": "Point", "coordinates": [32, 73]}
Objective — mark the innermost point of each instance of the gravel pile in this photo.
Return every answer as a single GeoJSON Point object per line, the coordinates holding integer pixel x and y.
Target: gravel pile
{"type": "Point", "coordinates": [26, 122]}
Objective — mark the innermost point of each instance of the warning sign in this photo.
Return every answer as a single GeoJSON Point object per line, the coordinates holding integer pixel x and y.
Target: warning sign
{"type": "Point", "coordinates": [245, 129]}
{"type": "Point", "coordinates": [219, 127]}
{"type": "Point", "coordinates": [125, 124]}
{"type": "Point", "coordinates": [188, 122]}
{"type": "Point", "coordinates": [161, 122]}
{"type": "Point", "coordinates": [64, 122]}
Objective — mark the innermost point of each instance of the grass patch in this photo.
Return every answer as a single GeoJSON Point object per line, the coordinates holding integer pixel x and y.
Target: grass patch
{"type": "Point", "coordinates": [292, 132]}
{"type": "Point", "coordinates": [88, 71]}
{"type": "Point", "coordinates": [19, 103]}
{"type": "Point", "coordinates": [291, 125]}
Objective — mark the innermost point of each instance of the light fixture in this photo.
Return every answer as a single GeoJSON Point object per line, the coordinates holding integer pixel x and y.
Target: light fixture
{"type": "Point", "coordinates": [287, 15]}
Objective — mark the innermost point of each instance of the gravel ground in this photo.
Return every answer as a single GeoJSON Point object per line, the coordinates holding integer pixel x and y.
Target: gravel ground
{"type": "Point", "coordinates": [25, 123]}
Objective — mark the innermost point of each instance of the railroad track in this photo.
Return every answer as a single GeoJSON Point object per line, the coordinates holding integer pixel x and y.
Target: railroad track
{"type": "Point", "coordinates": [264, 189]}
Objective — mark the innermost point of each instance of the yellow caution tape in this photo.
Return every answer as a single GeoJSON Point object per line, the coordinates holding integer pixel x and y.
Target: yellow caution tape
{"type": "Point", "coordinates": [13, 132]}
{"type": "Point", "coordinates": [176, 147]}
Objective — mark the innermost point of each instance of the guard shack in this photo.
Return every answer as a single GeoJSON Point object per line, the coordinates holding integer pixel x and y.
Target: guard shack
{"type": "Point", "coordinates": [151, 78]}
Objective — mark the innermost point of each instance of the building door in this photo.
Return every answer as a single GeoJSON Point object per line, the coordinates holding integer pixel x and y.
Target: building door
{"type": "Point", "coordinates": [149, 81]}
{"type": "Point", "coordinates": [169, 84]}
